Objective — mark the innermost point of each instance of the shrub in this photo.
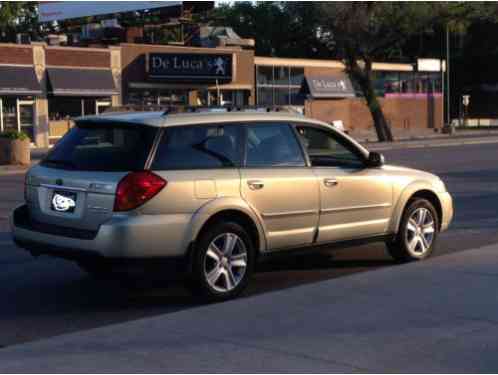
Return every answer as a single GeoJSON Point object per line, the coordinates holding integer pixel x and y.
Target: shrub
{"type": "Point", "coordinates": [13, 135]}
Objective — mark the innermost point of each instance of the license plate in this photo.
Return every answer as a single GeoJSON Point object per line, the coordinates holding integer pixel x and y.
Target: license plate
{"type": "Point", "coordinates": [63, 201]}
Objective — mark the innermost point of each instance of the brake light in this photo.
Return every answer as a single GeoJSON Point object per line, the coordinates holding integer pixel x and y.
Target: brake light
{"type": "Point", "coordinates": [136, 188]}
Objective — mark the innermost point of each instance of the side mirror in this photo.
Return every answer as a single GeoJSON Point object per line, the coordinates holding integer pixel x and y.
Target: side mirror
{"type": "Point", "coordinates": [375, 159]}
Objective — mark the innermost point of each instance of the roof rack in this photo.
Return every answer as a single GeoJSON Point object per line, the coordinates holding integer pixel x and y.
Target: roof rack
{"type": "Point", "coordinates": [203, 109]}
{"type": "Point", "coordinates": [168, 110]}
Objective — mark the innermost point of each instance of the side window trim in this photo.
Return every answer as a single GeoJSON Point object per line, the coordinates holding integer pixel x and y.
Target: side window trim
{"type": "Point", "coordinates": [306, 157]}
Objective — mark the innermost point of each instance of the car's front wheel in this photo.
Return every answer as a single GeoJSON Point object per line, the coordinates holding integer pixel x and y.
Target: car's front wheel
{"type": "Point", "coordinates": [223, 262]}
{"type": "Point", "coordinates": [417, 234]}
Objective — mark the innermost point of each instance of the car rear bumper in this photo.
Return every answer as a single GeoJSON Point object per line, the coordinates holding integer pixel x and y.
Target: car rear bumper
{"type": "Point", "coordinates": [123, 236]}
{"type": "Point", "coordinates": [447, 209]}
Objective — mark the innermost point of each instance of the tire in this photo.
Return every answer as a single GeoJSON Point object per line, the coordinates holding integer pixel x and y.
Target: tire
{"type": "Point", "coordinates": [218, 271]}
{"type": "Point", "coordinates": [417, 233]}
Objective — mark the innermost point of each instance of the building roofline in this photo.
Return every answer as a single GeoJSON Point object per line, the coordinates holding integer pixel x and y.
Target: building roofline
{"type": "Point", "coordinates": [187, 49]}
{"type": "Point", "coordinates": [335, 64]}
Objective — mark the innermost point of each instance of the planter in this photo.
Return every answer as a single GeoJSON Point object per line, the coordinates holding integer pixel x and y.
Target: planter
{"type": "Point", "coordinates": [15, 151]}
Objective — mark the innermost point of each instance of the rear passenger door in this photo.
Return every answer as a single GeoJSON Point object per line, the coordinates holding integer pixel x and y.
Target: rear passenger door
{"type": "Point", "coordinates": [276, 182]}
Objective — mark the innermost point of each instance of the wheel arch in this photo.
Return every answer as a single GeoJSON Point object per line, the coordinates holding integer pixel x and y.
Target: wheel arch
{"type": "Point", "coordinates": [417, 190]}
{"type": "Point", "coordinates": [229, 210]}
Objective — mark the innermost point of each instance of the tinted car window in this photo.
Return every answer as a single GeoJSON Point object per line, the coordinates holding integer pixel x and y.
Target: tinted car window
{"type": "Point", "coordinates": [272, 145]}
{"type": "Point", "coordinates": [105, 147]}
{"type": "Point", "coordinates": [199, 147]}
{"type": "Point", "coordinates": [327, 149]}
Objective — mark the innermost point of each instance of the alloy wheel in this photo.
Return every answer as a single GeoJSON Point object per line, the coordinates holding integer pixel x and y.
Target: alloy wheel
{"type": "Point", "coordinates": [420, 230]}
{"type": "Point", "coordinates": [225, 262]}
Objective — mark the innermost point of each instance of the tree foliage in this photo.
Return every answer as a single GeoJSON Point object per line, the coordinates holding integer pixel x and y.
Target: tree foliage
{"type": "Point", "coordinates": [285, 29]}
{"type": "Point", "coordinates": [18, 17]}
{"type": "Point", "coordinates": [360, 33]}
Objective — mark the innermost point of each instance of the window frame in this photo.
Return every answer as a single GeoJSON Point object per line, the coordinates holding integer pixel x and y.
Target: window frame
{"type": "Point", "coordinates": [337, 136]}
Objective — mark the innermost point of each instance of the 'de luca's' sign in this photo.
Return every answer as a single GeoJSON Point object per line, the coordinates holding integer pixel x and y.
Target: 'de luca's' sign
{"type": "Point", "coordinates": [188, 66]}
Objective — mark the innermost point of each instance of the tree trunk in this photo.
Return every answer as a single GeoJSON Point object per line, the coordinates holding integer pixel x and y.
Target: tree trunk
{"type": "Point", "coordinates": [381, 126]}
{"type": "Point", "coordinates": [364, 78]}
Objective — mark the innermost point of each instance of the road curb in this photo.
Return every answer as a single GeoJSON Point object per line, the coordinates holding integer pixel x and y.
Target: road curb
{"type": "Point", "coordinates": [399, 146]}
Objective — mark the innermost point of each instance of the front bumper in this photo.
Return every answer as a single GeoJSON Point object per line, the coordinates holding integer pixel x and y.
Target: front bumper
{"type": "Point", "coordinates": [447, 209]}
{"type": "Point", "coordinates": [123, 236]}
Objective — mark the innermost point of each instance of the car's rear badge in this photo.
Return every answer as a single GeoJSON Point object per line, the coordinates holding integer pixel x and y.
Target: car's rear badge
{"type": "Point", "coordinates": [62, 203]}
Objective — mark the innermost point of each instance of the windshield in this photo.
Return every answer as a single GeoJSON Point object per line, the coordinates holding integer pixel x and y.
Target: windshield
{"type": "Point", "coordinates": [103, 147]}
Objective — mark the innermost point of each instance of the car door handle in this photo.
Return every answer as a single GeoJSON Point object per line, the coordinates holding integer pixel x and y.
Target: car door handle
{"type": "Point", "coordinates": [255, 184]}
{"type": "Point", "coordinates": [330, 182]}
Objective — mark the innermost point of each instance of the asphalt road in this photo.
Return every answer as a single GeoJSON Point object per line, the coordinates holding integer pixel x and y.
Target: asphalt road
{"type": "Point", "coordinates": [42, 297]}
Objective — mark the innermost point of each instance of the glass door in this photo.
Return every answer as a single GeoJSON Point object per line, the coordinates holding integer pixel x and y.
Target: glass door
{"type": "Point", "coordinates": [26, 117]}
{"type": "Point", "coordinates": [9, 114]}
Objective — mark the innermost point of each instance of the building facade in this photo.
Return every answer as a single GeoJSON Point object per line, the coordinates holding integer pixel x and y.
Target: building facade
{"type": "Point", "coordinates": [43, 87]}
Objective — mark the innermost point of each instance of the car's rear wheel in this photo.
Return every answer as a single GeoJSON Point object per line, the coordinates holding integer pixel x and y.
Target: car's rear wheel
{"type": "Point", "coordinates": [223, 262]}
{"type": "Point", "coordinates": [417, 234]}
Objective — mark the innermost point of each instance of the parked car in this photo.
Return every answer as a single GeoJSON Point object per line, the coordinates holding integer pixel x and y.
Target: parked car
{"type": "Point", "coordinates": [213, 192]}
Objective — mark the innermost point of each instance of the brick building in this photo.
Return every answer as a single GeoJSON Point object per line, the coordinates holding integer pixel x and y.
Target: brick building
{"type": "Point", "coordinates": [42, 87]}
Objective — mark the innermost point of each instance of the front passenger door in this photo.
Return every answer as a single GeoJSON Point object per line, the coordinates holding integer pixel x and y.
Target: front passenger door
{"type": "Point", "coordinates": [355, 200]}
{"type": "Point", "coordinates": [277, 184]}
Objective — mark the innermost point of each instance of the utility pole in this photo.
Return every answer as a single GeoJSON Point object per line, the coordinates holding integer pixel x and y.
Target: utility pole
{"type": "Point", "coordinates": [448, 115]}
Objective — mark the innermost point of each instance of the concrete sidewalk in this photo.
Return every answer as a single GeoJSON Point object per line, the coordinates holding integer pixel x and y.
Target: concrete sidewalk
{"type": "Point", "coordinates": [435, 316]}
{"type": "Point", "coordinates": [432, 142]}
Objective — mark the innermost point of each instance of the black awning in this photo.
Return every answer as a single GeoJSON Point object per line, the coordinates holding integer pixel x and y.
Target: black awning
{"type": "Point", "coordinates": [81, 82]}
{"type": "Point", "coordinates": [18, 80]}
{"type": "Point", "coordinates": [335, 85]}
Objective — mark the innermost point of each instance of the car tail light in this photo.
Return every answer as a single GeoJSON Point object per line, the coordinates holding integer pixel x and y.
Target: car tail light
{"type": "Point", "coordinates": [136, 188]}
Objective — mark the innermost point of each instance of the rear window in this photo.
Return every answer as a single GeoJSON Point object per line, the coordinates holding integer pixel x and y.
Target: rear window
{"type": "Point", "coordinates": [199, 147]}
{"type": "Point", "coordinates": [106, 148]}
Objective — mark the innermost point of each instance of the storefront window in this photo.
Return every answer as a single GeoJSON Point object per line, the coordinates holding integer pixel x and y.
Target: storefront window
{"type": "Point", "coordinates": [296, 98]}
{"type": "Point", "coordinates": [17, 113]}
{"type": "Point", "coordinates": [66, 107]}
{"type": "Point", "coordinates": [296, 76]}
{"type": "Point", "coordinates": [9, 113]}
{"type": "Point", "coordinates": [386, 82]}
{"type": "Point", "coordinates": [265, 96]}
{"type": "Point", "coordinates": [151, 97]}
{"type": "Point", "coordinates": [281, 75]}
{"type": "Point", "coordinates": [279, 85]}
{"type": "Point", "coordinates": [406, 83]}
{"type": "Point", "coordinates": [264, 75]}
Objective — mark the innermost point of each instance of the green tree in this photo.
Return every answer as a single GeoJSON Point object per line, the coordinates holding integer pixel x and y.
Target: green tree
{"type": "Point", "coordinates": [18, 17]}
{"type": "Point", "coordinates": [363, 32]}
{"type": "Point", "coordinates": [284, 29]}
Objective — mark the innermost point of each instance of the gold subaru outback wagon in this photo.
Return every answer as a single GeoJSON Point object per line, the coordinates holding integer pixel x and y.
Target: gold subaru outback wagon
{"type": "Point", "coordinates": [209, 193]}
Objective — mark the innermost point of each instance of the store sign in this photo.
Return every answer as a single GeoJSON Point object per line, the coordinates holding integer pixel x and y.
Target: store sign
{"type": "Point", "coordinates": [429, 65]}
{"type": "Point", "coordinates": [189, 66]}
{"type": "Point", "coordinates": [62, 10]}
{"type": "Point", "coordinates": [336, 85]}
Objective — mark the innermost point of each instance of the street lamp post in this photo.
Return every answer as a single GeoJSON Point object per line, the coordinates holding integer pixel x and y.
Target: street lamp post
{"type": "Point", "coordinates": [448, 113]}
